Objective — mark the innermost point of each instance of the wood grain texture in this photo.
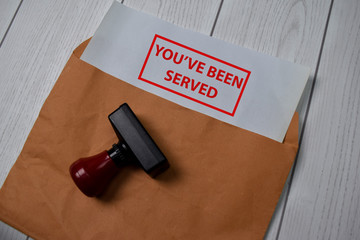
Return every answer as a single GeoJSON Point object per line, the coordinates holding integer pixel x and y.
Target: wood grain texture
{"type": "Point", "coordinates": [324, 201]}
{"type": "Point", "coordinates": [195, 15]}
{"type": "Point", "coordinates": [7, 12]}
{"type": "Point", "coordinates": [291, 30]}
{"type": "Point", "coordinates": [9, 233]}
{"type": "Point", "coordinates": [34, 52]}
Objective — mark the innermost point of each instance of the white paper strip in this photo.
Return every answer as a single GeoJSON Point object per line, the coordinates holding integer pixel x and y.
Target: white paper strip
{"type": "Point", "coordinates": [236, 85]}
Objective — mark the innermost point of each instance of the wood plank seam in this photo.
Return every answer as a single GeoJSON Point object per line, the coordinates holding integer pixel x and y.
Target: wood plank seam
{"type": "Point", "coordinates": [216, 18]}
{"type": "Point", "coordinates": [12, 20]}
{"type": "Point", "coordinates": [305, 118]}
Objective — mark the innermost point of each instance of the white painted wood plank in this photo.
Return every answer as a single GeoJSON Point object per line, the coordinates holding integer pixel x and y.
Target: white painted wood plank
{"type": "Point", "coordinates": [324, 201]}
{"type": "Point", "coordinates": [194, 15]}
{"type": "Point", "coordinates": [291, 30]}
{"type": "Point", "coordinates": [32, 56]}
{"type": "Point", "coordinates": [9, 233]}
{"type": "Point", "coordinates": [7, 12]}
{"type": "Point", "coordinates": [34, 52]}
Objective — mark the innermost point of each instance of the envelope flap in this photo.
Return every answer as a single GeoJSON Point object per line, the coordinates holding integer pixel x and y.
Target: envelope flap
{"type": "Point", "coordinates": [81, 48]}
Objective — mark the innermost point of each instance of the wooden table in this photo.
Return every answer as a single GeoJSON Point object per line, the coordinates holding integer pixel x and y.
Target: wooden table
{"type": "Point", "coordinates": [321, 199]}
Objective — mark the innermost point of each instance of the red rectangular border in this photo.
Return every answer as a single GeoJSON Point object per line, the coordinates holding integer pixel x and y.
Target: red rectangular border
{"type": "Point", "coordinates": [201, 53]}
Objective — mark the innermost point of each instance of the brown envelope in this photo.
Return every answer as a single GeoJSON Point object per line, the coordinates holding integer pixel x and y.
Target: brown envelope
{"type": "Point", "coordinates": [223, 183]}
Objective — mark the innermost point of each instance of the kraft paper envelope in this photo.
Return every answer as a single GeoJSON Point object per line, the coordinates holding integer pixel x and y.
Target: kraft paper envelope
{"type": "Point", "coordinates": [223, 183]}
